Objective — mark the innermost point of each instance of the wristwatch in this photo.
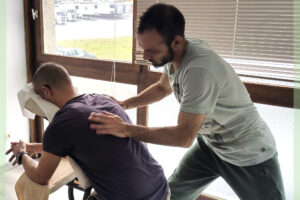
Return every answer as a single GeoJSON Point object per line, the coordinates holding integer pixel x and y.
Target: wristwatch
{"type": "Point", "coordinates": [19, 156]}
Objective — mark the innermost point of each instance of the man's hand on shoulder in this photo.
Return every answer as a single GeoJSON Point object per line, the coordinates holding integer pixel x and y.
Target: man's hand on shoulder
{"type": "Point", "coordinates": [107, 123]}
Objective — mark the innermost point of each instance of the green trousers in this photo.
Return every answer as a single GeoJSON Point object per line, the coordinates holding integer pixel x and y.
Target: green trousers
{"type": "Point", "coordinates": [200, 166]}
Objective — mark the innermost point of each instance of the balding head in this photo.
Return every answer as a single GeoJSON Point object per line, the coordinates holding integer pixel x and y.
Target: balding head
{"type": "Point", "coordinates": [51, 75]}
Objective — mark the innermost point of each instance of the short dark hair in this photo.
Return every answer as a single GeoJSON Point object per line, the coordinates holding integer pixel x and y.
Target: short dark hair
{"type": "Point", "coordinates": [50, 74]}
{"type": "Point", "coordinates": [166, 19]}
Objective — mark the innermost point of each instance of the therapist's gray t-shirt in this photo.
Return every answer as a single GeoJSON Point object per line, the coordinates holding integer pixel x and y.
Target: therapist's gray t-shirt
{"type": "Point", "coordinates": [204, 83]}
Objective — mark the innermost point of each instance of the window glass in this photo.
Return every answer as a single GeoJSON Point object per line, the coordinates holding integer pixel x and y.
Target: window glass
{"type": "Point", "coordinates": [95, 29]}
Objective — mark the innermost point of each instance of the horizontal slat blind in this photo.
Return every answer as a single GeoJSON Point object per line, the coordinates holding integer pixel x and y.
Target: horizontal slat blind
{"type": "Point", "coordinates": [142, 6]}
{"type": "Point", "coordinates": [255, 36]}
{"type": "Point", "coordinates": [263, 39]}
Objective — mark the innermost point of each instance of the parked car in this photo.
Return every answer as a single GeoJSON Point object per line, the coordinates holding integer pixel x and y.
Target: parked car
{"type": "Point", "coordinates": [60, 50]}
{"type": "Point", "coordinates": [103, 9]}
{"type": "Point", "coordinates": [85, 10]}
{"type": "Point", "coordinates": [71, 14]}
{"type": "Point", "coordinates": [121, 8]}
{"type": "Point", "coordinates": [74, 52]}
{"type": "Point", "coordinates": [60, 16]}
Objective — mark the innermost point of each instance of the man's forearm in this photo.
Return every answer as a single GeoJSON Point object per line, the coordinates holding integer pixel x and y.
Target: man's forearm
{"type": "Point", "coordinates": [150, 95]}
{"type": "Point", "coordinates": [30, 167]}
{"type": "Point", "coordinates": [171, 136]}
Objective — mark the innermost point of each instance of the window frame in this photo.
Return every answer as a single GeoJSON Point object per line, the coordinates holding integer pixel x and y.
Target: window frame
{"type": "Point", "coordinates": [126, 72]}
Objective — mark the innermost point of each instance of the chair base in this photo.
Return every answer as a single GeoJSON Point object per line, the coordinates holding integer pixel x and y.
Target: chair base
{"type": "Point", "coordinates": [75, 184]}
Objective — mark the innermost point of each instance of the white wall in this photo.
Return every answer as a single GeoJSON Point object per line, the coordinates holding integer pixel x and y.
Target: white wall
{"type": "Point", "coordinates": [16, 75]}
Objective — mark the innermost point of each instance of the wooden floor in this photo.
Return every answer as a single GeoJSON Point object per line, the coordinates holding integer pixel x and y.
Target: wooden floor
{"type": "Point", "coordinates": [9, 175]}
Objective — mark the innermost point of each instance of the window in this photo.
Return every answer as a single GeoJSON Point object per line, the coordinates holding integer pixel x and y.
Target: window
{"type": "Point", "coordinates": [44, 44]}
{"type": "Point", "coordinates": [91, 39]}
{"type": "Point", "coordinates": [264, 63]}
{"type": "Point", "coordinates": [88, 29]}
{"type": "Point", "coordinates": [255, 36]}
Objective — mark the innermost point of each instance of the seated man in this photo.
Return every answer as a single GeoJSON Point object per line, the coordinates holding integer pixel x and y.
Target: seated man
{"type": "Point", "coordinates": [117, 168]}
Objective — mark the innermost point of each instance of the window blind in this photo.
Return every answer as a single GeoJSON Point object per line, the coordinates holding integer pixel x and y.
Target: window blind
{"type": "Point", "coordinates": [255, 36]}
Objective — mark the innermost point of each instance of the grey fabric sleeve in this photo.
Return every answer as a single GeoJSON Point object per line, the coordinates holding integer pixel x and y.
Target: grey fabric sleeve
{"type": "Point", "coordinates": [200, 92]}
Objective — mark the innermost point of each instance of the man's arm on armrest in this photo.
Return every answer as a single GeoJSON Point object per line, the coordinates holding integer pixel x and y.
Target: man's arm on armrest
{"type": "Point", "coordinates": [41, 172]}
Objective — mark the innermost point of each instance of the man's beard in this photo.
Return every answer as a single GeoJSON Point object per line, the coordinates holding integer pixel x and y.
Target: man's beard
{"type": "Point", "coordinates": [167, 58]}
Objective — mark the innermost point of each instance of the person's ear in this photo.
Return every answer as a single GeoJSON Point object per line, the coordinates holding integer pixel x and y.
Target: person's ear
{"type": "Point", "coordinates": [177, 42]}
{"type": "Point", "coordinates": [46, 92]}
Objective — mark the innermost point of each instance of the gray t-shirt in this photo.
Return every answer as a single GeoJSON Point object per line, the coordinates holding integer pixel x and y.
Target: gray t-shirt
{"type": "Point", "coordinates": [204, 83]}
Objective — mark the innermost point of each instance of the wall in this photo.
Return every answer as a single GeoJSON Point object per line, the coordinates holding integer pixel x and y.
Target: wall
{"type": "Point", "coordinates": [17, 126]}
{"type": "Point", "coordinates": [12, 78]}
{"type": "Point", "coordinates": [2, 93]}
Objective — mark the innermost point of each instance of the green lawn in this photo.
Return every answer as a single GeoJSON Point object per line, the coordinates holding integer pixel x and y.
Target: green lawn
{"type": "Point", "coordinates": [104, 48]}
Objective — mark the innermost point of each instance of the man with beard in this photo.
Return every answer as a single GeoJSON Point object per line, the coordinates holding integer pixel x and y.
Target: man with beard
{"type": "Point", "coordinates": [233, 141]}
